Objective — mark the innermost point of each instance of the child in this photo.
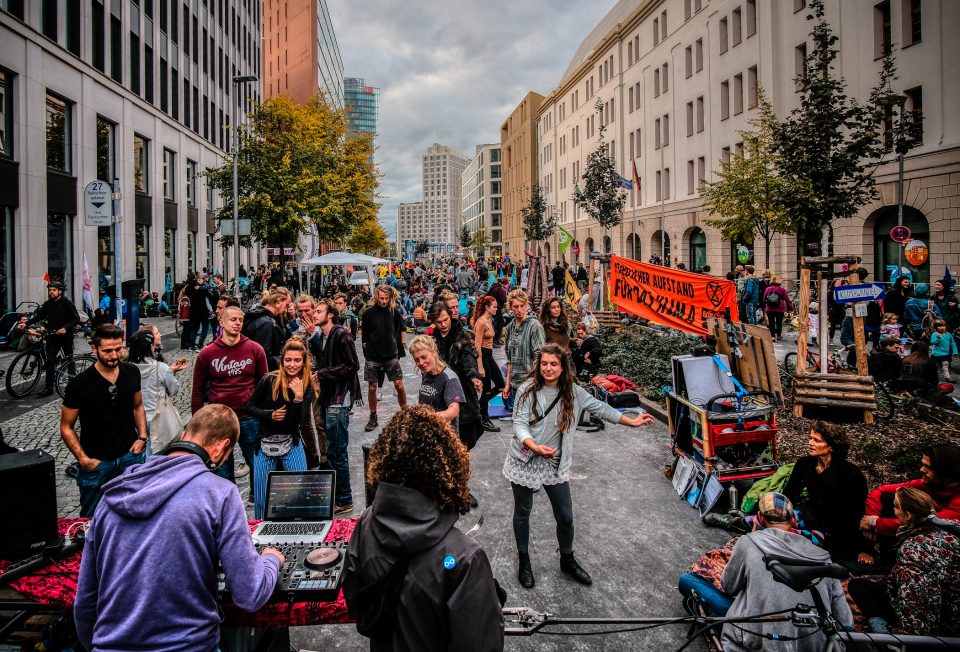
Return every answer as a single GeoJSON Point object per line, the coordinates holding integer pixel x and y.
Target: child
{"type": "Point", "coordinates": [942, 348]}
{"type": "Point", "coordinates": [813, 325]}
{"type": "Point", "coordinates": [890, 326]}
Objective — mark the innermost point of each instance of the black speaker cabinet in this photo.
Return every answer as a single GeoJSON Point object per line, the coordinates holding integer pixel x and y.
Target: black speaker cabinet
{"type": "Point", "coordinates": [28, 503]}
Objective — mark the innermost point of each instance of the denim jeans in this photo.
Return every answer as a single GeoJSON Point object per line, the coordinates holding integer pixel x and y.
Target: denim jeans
{"type": "Point", "coordinates": [337, 423]}
{"type": "Point", "coordinates": [295, 460]}
{"type": "Point", "coordinates": [249, 443]}
{"type": "Point", "coordinates": [200, 328]}
{"type": "Point", "coordinates": [750, 316]}
{"type": "Point", "coordinates": [91, 483]}
{"type": "Point", "coordinates": [715, 601]}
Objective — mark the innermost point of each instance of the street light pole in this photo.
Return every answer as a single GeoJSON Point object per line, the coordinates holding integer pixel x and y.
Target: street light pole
{"type": "Point", "coordinates": [237, 83]}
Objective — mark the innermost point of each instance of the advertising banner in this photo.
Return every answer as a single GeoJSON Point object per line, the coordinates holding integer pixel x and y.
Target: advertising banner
{"type": "Point", "coordinates": [670, 297]}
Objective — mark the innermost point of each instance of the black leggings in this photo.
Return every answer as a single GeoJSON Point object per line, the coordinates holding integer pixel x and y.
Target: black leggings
{"type": "Point", "coordinates": [492, 381]}
{"type": "Point", "coordinates": [562, 503]}
{"type": "Point", "coordinates": [775, 320]}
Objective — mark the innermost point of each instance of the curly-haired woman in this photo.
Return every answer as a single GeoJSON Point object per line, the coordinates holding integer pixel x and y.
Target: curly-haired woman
{"type": "Point", "coordinates": [540, 454]}
{"type": "Point", "coordinates": [420, 470]}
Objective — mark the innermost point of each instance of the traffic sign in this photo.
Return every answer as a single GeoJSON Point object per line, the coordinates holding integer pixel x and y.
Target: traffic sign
{"type": "Point", "coordinates": [855, 293]}
{"type": "Point", "coordinates": [97, 204]}
{"type": "Point", "coordinates": [900, 233]}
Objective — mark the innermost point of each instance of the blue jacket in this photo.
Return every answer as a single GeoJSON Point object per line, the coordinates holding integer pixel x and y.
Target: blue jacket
{"type": "Point", "coordinates": [751, 291]}
{"type": "Point", "coordinates": [913, 312]}
{"type": "Point", "coordinates": [149, 570]}
{"type": "Point", "coordinates": [942, 345]}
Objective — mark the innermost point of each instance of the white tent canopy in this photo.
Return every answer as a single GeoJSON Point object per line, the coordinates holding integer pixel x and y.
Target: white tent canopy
{"type": "Point", "coordinates": [344, 258]}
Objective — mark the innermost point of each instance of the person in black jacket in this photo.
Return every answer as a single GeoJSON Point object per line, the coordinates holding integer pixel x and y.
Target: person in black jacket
{"type": "Point", "coordinates": [382, 333]}
{"type": "Point", "coordinates": [61, 320]}
{"type": "Point", "coordinates": [337, 366]}
{"type": "Point", "coordinates": [282, 401]}
{"type": "Point", "coordinates": [457, 349]}
{"type": "Point", "coordinates": [586, 351]}
{"type": "Point", "coordinates": [829, 492]}
{"type": "Point", "coordinates": [420, 470]}
{"type": "Point", "coordinates": [201, 302]}
{"type": "Point", "coordinates": [262, 324]}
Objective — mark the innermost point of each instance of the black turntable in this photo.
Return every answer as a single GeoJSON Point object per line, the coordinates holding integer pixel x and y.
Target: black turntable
{"type": "Point", "coordinates": [311, 573]}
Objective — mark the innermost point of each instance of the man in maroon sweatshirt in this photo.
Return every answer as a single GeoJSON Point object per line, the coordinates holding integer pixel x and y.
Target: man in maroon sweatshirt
{"type": "Point", "coordinates": [226, 371]}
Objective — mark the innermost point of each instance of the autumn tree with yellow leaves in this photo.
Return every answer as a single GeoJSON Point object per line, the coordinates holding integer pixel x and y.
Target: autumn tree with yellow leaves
{"type": "Point", "coordinates": [298, 169]}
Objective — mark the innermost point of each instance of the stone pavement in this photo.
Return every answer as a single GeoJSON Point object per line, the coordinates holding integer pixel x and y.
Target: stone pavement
{"type": "Point", "coordinates": [633, 534]}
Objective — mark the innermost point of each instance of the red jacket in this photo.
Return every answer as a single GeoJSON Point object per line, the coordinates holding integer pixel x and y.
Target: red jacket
{"type": "Point", "coordinates": [227, 374]}
{"type": "Point", "coordinates": [948, 504]}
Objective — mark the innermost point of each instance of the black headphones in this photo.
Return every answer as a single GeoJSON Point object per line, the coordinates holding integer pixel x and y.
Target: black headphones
{"type": "Point", "coordinates": [190, 447]}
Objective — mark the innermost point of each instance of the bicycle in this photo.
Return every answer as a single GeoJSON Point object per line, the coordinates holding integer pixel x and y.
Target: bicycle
{"type": "Point", "coordinates": [23, 374]}
{"type": "Point", "coordinates": [837, 363]}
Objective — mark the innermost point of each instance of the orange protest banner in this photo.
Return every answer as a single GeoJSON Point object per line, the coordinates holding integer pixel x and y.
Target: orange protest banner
{"type": "Point", "coordinates": [671, 297]}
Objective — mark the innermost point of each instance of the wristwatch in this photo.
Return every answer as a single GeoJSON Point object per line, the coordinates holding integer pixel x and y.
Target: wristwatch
{"type": "Point", "coordinates": [143, 439]}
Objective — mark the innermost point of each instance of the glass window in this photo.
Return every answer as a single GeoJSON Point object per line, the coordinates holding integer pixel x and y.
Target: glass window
{"type": "Point", "coordinates": [169, 175]}
{"type": "Point", "coordinates": [106, 132]}
{"type": "Point", "coordinates": [698, 249]}
{"type": "Point", "coordinates": [143, 253]}
{"type": "Point", "coordinates": [104, 259]}
{"type": "Point", "coordinates": [885, 249]}
{"type": "Point", "coordinates": [6, 114]}
{"type": "Point", "coordinates": [169, 259]}
{"type": "Point", "coordinates": [58, 134]}
{"type": "Point", "coordinates": [6, 258]}
{"type": "Point", "coordinates": [141, 164]}
{"type": "Point", "coordinates": [191, 183]}
{"type": "Point", "coordinates": [60, 248]}
{"type": "Point", "coordinates": [209, 251]}
{"type": "Point", "coordinates": [48, 18]}
{"type": "Point", "coordinates": [191, 252]}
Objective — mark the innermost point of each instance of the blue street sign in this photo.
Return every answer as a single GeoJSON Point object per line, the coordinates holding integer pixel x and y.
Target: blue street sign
{"type": "Point", "coordinates": [856, 293]}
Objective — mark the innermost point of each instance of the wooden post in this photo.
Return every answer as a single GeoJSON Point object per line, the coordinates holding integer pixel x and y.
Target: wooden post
{"type": "Point", "coordinates": [859, 341]}
{"type": "Point", "coordinates": [804, 302]}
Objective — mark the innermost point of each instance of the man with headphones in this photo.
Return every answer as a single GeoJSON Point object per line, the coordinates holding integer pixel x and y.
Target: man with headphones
{"type": "Point", "coordinates": [149, 571]}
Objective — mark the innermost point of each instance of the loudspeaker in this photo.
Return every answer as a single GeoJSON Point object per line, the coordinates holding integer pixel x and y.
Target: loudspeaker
{"type": "Point", "coordinates": [28, 503]}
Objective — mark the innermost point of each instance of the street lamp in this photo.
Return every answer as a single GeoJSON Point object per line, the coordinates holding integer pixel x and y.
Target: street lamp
{"type": "Point", "coordinates": [237, 82]}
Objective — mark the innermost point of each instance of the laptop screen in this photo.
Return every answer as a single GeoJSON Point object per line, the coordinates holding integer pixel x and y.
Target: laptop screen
{"type": "Point", "coordinates": [299, 496]}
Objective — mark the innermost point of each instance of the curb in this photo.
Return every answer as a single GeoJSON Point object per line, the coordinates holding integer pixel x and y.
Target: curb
{"type": "Point", "coordinates": [659, 413]}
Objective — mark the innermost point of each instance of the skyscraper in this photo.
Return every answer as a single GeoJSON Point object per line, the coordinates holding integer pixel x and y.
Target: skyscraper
{"type": "Point", "coordinates": [437, 218]}
{"type": "Point", "coordinates": [362, 103]}
{"type": "Point", "coordinates": [300, 51]}
{"type": "Point", "coordinates": [482, 210]}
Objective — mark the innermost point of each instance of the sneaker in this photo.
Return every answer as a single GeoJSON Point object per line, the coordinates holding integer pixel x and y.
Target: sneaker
{"type": "Point", "coordinates": [726, 522]}
{"type": "Point", "coordinates": [371, 424]}
{"type": "Point", "coordinates": [342, 509]}
{"type": "Point", "coordinates": [242, 471]}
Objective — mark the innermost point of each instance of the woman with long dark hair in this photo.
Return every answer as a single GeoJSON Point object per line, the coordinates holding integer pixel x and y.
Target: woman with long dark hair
{"type": "Point", "coordinates": [896, 297]}
{"type": "Point", "coordinates": [540, 455]}
{"type": "Point", "coordinates": [484, 330]}
{"type": "Point", "coordinates": [283, 403]}
{"type": "Point", "coordinates": [556, 328]}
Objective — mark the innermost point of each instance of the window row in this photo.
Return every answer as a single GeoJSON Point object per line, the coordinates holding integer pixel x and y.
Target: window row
{"type": "Point", "coordinates": [732, 28]}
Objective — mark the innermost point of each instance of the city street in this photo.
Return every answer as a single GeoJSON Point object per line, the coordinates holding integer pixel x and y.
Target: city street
{"type": "Point", "coordinates": [633, 535]}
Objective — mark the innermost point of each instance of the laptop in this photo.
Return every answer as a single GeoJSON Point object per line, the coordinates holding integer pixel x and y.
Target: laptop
{"type": "Point", "coordinates": [298, 508]}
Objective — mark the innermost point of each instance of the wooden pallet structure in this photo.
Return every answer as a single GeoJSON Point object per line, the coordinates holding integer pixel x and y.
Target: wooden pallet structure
{"type": "Point", "coordinates": [750, 350]}
{"type": "Point", "coordinates": [608, 319]}
{"type": "Point", "coordinates": [848, 391]}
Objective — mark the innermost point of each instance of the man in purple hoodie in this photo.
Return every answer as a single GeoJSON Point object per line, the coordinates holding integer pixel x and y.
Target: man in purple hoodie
{"type": "Point", "coordinates": [149, 570]}
{"type": "Point", "coordinates": [226, 371]}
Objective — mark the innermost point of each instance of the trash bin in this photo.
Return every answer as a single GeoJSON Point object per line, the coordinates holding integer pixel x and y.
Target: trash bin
{"type": "Point", "coordinates": [130, 291]}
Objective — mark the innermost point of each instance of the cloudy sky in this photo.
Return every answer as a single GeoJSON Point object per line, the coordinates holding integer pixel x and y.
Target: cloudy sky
{"type": "Point", "coordinates": [450, 71]}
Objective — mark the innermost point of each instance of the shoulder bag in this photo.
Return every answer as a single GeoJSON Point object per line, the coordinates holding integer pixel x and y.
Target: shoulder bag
{"type": "Point", "coordinates": [166, 424]}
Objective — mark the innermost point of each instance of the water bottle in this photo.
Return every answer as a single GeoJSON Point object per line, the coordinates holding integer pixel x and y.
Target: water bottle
{"type": "Point", "coordinates": [734, 496]}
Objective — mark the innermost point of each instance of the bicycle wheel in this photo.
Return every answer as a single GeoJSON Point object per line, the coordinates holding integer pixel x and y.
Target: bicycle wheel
{"type": "Point", "coordinates": [24, 374]}
{"type": "Point", "coordinates": [70, 368]}
{"type": "Point", "coordinates": [885, 405]}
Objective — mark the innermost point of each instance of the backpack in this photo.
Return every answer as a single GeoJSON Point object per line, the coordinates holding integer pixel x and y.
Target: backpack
{"type": "Point", "coordinates": [773, 299]}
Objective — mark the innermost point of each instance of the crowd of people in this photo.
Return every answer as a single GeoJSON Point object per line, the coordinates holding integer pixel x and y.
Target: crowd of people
{"type": "Point", "coordinates": [282, 380]}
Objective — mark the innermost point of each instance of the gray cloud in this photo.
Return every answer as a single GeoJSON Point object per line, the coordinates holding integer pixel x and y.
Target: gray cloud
{"type": "Point", "coordinates": [451, 71]}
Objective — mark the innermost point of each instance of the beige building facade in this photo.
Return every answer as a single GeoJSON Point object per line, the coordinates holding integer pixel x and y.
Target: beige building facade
{"type": "Point", "coordinates": [518, 151]}
{"type": "Point", "coordinates": [481, 198]}
{"type": "Point", "coordinates": [437, 218]}
{"type": "Point", "coordinates": [676, 81]}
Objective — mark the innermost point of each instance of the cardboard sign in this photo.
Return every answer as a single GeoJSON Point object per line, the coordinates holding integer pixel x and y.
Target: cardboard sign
{"type": "Point", "coordinates": [671, 297]}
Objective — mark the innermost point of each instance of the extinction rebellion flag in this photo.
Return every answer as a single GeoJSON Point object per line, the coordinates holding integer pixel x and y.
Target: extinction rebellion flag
{"type": "Point", "coordinates": [564, 238]}
{"type": "Point", "coordinates": [671, 297]}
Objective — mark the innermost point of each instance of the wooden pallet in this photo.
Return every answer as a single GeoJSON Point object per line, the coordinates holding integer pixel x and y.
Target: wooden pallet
{"type": "Point", "coordinates": [609, 319]}
{"type": "Point", "coordinates": [756, 367]}
{"type": "Point", "coordinates": [834, 390]}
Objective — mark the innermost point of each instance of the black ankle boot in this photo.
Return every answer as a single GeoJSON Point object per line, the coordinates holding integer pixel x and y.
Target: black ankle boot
{"type": "Point", "coordinates": [570, 566]}
{"type": "Point", "coordinates": [525, 574]}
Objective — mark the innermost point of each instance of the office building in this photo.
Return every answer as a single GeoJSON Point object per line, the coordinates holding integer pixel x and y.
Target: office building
{"type": "Point", "coordinates": [140, 91]}
{"type": "Point", "coordinates": [436, 219]}
{"type": "Point", "coordinates": [518, 147]}
{"type": "Point", "coordinates": [300, 52]}
{"type": "Point", "coordinates": [362, 103]}
{"type": "Point", "coordinates": [677, 80]}
{"type": "Point", "coordinates": [482, 208]}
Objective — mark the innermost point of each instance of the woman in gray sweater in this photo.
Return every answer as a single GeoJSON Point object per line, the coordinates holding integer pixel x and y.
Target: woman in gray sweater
{"type": "Point", "coordinates": [541, 452]}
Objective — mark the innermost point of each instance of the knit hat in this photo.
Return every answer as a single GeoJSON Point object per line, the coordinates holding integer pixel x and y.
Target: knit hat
{"type": "Point", "coordinates": [775, 508]}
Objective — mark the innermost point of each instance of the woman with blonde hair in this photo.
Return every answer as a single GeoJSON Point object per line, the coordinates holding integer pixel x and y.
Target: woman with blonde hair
{"type": "Point", "coordinates": [440, 389]}
{"type": "Point", "coordinates": [282, 402]}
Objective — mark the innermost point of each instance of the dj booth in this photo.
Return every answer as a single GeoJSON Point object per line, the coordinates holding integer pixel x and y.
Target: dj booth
{"type": "Point", "coordinates": [54, 589]}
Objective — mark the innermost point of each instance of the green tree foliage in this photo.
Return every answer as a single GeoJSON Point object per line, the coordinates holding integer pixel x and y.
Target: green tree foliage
{"type": "Point", "coordinates": [368, 237]}
{"type": "Point", "coordinates": [464, 236]}
{"type": "Point", "coordinates": [748, 192]}
{"type": "Point", "coordinates": [831, 140]}
{"type": "Point", "coordinates": [602, 196]}
{"type": "Point", "coordinates": [480, 241]}
{"type": "Point", "coordinates": [423, 247]}
{"type": "Point", "coordinates": [537, 225]}
{"type": "Point", "coordinates": [298, 169]}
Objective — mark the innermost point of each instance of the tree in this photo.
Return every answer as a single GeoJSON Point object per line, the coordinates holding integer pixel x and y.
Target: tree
{"type": "Point", "coordinates": [748, 194]}
{"type": "Point", "coordinates": [831, 140]}
{"type": "Point", "coordinates": [602, 195]}
{"type": "Point", "coordinates": [464, 236]}
{"type": "Point", "coordinates": [423, 247]}
{"type": "Point", "coordinates": [480, 241]}
{"type": "Point", "coordinates": [368, 237]}
{"type": "Point", "coordinates": [298, 169]}
{"type": "Point", "coordinates": [537, 226]}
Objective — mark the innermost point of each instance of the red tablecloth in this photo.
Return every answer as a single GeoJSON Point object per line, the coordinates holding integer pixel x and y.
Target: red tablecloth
{"type": "Point", "coordinates": [56, 585]}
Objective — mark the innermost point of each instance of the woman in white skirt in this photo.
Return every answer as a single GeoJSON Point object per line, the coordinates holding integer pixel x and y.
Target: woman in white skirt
{"type": "Point", "coordinates": [541, 452]}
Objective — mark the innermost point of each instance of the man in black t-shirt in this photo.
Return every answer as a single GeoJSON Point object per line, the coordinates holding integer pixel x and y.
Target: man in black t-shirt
{"type": "Point", "coordinates": [113, 426]}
